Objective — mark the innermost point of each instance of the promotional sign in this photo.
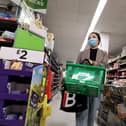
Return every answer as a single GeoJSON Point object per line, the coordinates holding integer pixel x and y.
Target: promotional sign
{"type": "Point", "coordinates": [33, 19]}
{"type": "Point", "coordinates": [37, 5]}
{"type": "Point", "coordinates": [21, 55]}
{"type": "Point", "coordinates": [36, 96]}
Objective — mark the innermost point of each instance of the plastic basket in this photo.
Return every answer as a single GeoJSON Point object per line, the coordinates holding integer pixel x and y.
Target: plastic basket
{"type": "Point", "coordinates": [84, 79]}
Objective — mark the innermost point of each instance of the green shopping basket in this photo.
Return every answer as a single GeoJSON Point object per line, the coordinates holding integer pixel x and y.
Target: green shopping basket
{"type": "Point", "coordinates": [84, 79]}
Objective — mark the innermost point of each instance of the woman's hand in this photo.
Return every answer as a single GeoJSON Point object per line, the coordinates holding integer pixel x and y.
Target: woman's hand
{"type": "Point", "coordinates": [93, 62]}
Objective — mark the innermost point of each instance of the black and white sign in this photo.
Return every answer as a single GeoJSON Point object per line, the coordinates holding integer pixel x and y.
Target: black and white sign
{"type": "Point", "coordinates": [21, 55]}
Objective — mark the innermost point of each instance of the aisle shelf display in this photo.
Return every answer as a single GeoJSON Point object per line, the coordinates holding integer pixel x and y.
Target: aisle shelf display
{"type": "Point", "coordinates": [11, 97]}
{"type": "Point", "coordinates": [7, 25]}
{"type": "Point", "coordinates": [112, 70]}
{"type": "Point", "coordinates": [6, 73]}
{"type": "Point", "coordinates": [6, 97]}
{"type": "Point", "coordinates": [14, 98]}
{"type": "Point", "coordinates": [114, 93]}
{"type": "Point", "coordinates": [112, 60]}
{"type": "Point", "coordinates": [52, 59]}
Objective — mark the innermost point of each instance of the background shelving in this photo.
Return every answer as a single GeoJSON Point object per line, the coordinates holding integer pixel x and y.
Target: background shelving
{"type": "Point", "coordinates": [114, 94]}
{"type": "Point", "coordinates": [52, 59]}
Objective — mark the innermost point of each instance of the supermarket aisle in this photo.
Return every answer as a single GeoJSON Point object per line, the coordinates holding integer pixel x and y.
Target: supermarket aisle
{"type": "Point", "coordinates": [58, 117]}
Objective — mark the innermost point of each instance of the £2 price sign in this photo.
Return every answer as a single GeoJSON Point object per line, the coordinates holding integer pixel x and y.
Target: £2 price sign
{"type": "Point", "coordinates": [21, 55]}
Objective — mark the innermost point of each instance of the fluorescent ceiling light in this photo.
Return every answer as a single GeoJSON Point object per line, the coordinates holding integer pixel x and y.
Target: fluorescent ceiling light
{"type": "Point", "coordinates": [95, 19]}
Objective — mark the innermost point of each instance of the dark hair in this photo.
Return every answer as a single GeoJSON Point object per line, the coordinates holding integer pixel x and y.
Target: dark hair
{"type": "Point", "coordinates": [98, 35]}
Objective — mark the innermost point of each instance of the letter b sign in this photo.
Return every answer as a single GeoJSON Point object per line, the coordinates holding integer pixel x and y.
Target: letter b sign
{"type": "Point", "coordinates": [70, 100]}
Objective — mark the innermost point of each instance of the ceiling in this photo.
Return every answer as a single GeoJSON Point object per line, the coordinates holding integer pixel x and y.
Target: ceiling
{"type": "Point", "coordinates": [69, 20]}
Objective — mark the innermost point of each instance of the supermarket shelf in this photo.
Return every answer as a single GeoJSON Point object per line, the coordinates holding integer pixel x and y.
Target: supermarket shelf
{"type": "Point", "coordinates": [8, 25]}
{"type": "Point", "coordinates": [112, 76]}
{"type": "Point", "coordinates": [3, 6]}
{"type": "Point", "coordinates": [54, 87]}
{"type": "Point", "coordinates": [123, 57]}
{"type": "Point", "coordinates": [54, 78]}
{"type": "Point", "coordinates": [54, 92]}
{"type": "Point", "coordinates": [122, 64]}
{"type": "Point", "coordinates": [121, 76]}
{"type": "Point", "coordinates": [56, 81]}
{"type": "Point", "coordinates": [55, 64]}
{"type": "Point", "coordinates": [16, 97]}
{"type": "Point", "coordinates": [114, 96]}
{"type": "Point", "coordinates": [56, 75]}
{"type": "Point", "coordinates": [113, 60]}
{"type": "Point", "coordinates": [16, 72]}
{"type": "Point", "coordinates": [109, 80]}
{"type": "Point", "coordinates": [6, 44]}
{"type": "Point", "coordinates": [123, 70]}
{"type": "Point", "coordinates": [123, 79]}
{"type": "Point", "coordinates": [11, 122]}
{"type": "Point", "coordinates": [114, 69]}
{"type": "Point", "coordinates": [54, 69]}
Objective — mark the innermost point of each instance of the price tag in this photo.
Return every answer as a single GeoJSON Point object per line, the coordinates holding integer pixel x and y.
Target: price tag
{"type": "Point", "coordinates": [21, 55]}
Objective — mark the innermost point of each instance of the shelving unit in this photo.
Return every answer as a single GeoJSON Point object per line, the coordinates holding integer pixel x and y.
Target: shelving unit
{"type": "Point", "coordinates": [10, 94]}
{"type": "Point", "coordinates": [55, 68]}
{"type": "Point", "coordinates": [114, 94]}
{"type": "Point", "coordinates": [8, 25]}
{"type": "Point", "coordinates": [7, 97]}
{"type": "Point", "coordinates": [5, 74]}
{"type": "Point", "coordinates": [17, 80]}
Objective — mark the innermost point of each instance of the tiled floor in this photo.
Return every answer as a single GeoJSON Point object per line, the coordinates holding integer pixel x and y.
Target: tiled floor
{"type": "Point", "coordinates": [58, 117]}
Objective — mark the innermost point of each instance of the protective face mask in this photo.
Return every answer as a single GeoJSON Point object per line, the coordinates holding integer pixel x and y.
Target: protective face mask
{"type": "Point", "coordinates": [92, 42]}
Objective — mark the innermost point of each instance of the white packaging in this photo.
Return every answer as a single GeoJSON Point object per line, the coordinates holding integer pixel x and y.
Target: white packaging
{"type": "Point", "coordinates": [123, 51]}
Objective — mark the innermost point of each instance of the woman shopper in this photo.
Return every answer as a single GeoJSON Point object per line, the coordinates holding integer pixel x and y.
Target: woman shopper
{"type": "Point", "coordinates": [97, 57]}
